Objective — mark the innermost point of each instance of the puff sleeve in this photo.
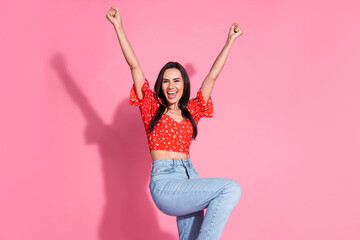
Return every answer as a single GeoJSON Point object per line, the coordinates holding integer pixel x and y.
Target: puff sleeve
{"type": "Point", "coordinates": [198, 107]}
{"type": "Point", "coordinates": [147, 104]}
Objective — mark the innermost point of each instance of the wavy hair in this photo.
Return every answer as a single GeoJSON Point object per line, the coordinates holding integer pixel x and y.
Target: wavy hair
{"type": "Point", "coordinates": [184, 100]}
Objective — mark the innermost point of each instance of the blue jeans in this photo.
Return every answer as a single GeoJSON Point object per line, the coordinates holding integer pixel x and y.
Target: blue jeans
{"type": "Point", "coordinates": [177, 190]}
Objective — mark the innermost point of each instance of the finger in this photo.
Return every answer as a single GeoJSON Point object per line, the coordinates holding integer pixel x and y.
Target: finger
{"type": "Point", "coordinates": [234, 27]}
{"type": "Point", "coordinates": [109, 15]}
{"type": "Point", "coordinates": [115, 9]}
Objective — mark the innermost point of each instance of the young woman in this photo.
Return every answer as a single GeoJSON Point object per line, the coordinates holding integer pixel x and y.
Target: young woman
{"type": "Point", "coordinates": [170, 118]}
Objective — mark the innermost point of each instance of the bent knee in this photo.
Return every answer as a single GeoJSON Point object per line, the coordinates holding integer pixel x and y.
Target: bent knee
{"type": "Point", "coordinates": [234, 190]}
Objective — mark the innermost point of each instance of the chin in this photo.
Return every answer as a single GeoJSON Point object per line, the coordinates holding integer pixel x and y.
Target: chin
{"type": "Point", "coordinates": [172, 101]}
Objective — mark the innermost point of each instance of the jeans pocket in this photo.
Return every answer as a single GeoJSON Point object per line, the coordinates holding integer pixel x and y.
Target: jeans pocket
{"type": "Point", "coordinates": [160, 169]}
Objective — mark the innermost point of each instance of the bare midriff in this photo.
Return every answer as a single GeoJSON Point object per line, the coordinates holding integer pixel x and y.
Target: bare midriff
{"type": "Point", "coordinates": [159, 154]}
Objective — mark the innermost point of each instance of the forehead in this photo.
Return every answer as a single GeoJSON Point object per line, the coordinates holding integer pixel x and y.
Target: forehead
{"type": "Point", "coordinates": [172, 73]}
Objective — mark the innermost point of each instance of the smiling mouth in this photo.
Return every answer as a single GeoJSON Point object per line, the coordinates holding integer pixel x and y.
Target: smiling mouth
{"type": "Point", "coordinates": [172, 94]}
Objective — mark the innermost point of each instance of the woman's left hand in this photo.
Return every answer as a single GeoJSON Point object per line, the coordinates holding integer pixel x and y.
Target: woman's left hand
{"type": "Point", "coordinates": [235, 31]}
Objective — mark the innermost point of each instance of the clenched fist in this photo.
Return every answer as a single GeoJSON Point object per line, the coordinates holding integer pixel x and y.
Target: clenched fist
{"type": "Point", "coordinates": [113, 15]}
{"type": "Point", "coordinates": [235, 31]}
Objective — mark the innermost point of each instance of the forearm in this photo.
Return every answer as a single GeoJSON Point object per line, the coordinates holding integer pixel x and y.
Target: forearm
{"type": "Point", "coordinates": [220, 60]}
{"type": "Point", "coordinates": [126, 48]}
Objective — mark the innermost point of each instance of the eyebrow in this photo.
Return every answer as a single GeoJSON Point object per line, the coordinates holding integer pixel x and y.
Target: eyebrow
{"type": "Point", "coordinates": [173, 78]}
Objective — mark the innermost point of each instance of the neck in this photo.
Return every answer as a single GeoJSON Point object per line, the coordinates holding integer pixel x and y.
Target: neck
{"type": "Point", "coordinates": [174, 107]}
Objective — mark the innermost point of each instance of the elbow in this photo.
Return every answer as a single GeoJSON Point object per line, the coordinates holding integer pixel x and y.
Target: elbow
{"type": "Point", "coordinates": [212, 77]}
{"type": "Point", "coordinates": [134, 67]}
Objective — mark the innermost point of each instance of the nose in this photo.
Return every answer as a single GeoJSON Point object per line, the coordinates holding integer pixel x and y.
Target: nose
{"type": "Point", "coordinates": [171, 84]}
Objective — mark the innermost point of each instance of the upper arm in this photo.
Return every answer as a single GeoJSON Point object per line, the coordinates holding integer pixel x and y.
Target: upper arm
{"type": "Point", "coordinates": [207, 87]}
{"type": "Point", "coordinates": [199, 108]}
{"type": "Point", "coordinates": [139, 80]}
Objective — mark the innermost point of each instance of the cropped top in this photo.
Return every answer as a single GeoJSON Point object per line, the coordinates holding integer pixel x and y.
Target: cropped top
{"type": "Point", "coordinates": [168, 134]}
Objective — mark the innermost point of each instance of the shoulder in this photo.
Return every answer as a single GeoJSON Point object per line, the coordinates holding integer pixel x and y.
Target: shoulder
{"type": "Point", "coordinates": [199, 108]}
{"type": "Point", "coordinates": [199, 101]}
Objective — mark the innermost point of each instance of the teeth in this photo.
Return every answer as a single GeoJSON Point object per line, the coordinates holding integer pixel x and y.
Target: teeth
{"type": "Point", "coordinates": [171, 92]}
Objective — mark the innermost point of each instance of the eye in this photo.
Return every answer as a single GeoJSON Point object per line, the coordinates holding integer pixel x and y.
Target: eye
{"type": "Point", "coordinates": [177, 80]}
{"type": "Point", "coordinates": [165, 81]}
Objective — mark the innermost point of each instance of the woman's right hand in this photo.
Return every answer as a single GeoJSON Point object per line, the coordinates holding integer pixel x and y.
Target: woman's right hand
{"type": "Point", "coordinates": [113, 15]}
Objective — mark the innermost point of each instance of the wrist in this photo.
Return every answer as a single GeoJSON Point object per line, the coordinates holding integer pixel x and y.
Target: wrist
{"type": "Point", "coordinates": [118, 27]}
{"type": "Point", "coordinates": [230, 41]}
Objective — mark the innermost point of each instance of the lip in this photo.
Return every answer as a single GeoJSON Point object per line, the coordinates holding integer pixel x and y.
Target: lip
{"type": "Point", "coordinates": [172, 92]}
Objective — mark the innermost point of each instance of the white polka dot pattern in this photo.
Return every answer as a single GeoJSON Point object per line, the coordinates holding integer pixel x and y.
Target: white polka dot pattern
{"type": "Point", "coordinates": [168, 134]}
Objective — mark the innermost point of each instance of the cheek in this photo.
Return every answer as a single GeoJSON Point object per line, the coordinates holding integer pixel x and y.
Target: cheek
{"type": "Point", "coordinates": [181, 86]}
{"type": "Point", "coordinates": [181, 92]}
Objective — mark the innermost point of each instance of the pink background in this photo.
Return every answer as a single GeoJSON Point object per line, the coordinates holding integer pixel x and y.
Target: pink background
{"type": "Point", "coordinates": [73, 153]}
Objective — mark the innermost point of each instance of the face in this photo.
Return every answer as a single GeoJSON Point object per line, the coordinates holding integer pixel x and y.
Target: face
{"type": "Point", "coordinates": [172, 85]}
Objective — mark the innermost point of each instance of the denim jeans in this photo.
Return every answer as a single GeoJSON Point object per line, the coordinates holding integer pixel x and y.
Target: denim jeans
{"type": "Point", "coordinates": [177, 190]}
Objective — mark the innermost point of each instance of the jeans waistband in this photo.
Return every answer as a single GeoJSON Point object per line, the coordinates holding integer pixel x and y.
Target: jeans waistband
{"type": "Point", "coordinates": [175, 161]}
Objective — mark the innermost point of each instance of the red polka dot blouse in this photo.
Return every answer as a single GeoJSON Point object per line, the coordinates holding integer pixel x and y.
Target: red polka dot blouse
{"type": "Point", "coordinates": [168, 134]}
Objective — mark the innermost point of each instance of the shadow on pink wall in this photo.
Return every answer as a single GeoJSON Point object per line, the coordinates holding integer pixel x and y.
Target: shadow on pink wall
{"type": "Point", "coordinates": [128, 213]}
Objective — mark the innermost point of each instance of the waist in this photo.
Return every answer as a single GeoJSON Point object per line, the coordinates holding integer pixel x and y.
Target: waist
{"type": "Point", "coordinates": [161, 154]}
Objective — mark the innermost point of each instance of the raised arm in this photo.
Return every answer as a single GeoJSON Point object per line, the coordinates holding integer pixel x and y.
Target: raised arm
{"type": "Point", "coordinates": [113, 16]}
{"type": "Point", "coordinates": [209, 82]}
